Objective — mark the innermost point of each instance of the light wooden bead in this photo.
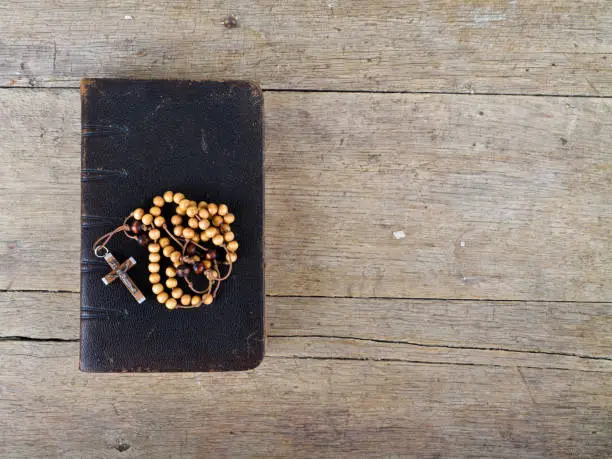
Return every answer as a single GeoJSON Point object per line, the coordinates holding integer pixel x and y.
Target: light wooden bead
{"type": "Point", "coordinates": [211, 232]}
{"type": "Point", "coordinates": [193, 203]}
{"type": "Point", "coordinates": [139, 213]}
{"type": "Point", "coordinates": [207, 264]}
{"type": "Point", "coordinates": [211, 274]}
{"type": "Point", "coordinates": [155, 211]}
{"type": "Point", "coordinates": [168, 195]}
{"type": "Point", "coordinates": [154, 278]}
{"type": "Point", "coordinates": [208, 299]}
{"type": "Point", "coordinates": [154, 267]}
{"type": "Point", "coordinates": [147, 219]}
{"type": "Point", "coordinates": [225, 228]}
{"type": "Point", "coordinates": [170, 271]}
{"type": "Point", "coordinates": [178, 197]}
{"type": "Point", "coordinates": [217, 220]}
{"type": "Point", "coordinates": [186, 299]}
{"type": "Point", "coordinates": [218, 240]}
{"type": "Point", "coordinates": [178, 231]}
{"type": "Point", "coordinates": [193, 222]}
{"type": "Point", "coordinates": [212, 208]}
{"type": "Point", "coordinates": [204, 237]}
{"type": "Point", "coordinates": [180, 211]}
{"type": "Point", "coordinates": [202, 204]}
{"type": "Point", "coordinates": [176, 220]}
{"type": "Point", "coordinates": [171, 303]}
{"type": "Point", "coordinates": [195, 300]}
{"type": "Point", "coordinates": [177, 292]}
{"type": "Point", "coordinates": [229, 236]}
{"type": "Point", "coordinates": [192, 211]}
{"type": "Point", "coordinates": [159, 201]}
{"type": "Point", "coordinates": [154, 248]}
{"type": "Point", "coordinates": [229, 218]}
{"type": "Point", "coordinates": [175, 257]}
{"type": "Point", "coordinates": [163, 297]}
{"type": "Point", "coordinates": [154, 234]}
{"type": "Point", "coordinates": [184, 204]}
{"type": "Point", "coordinates": [164, 242]}
{"type": "Point", "coordinates": [223, 210]}
{"type": "Point", "coordinates": [231, 257]}
{"type": "Point", "coordinates": [196, 258]}
{"type": "Point", "coordinates": [172, 282]}
{"type": "Point", "coordinates": [167, 251]}
{"type": "Point", "coordinates": [154, 257]}
{"type": "Point", "coordinates": [188, 233]}
{"type": "Point", "coordinates": [159, 221]}
{"type": "Point", "coordinates": [203, 213]}
{"type": "Point", "coordinates": [232, 246]}
{"type": "Point", "coordinates": [203, 224]}
{"type": "Point", "coordinates": [157, 289]}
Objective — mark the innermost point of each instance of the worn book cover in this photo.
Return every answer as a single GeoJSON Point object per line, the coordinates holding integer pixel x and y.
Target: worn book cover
{"type": "Point", "coordinates": [139, 139]}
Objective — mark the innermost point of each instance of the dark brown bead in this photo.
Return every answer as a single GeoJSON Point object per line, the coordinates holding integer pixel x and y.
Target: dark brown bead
{"type": "Point", "coordinates": [136, 227]}
{"type": "Point", "coordinates": [183, 270]}
{"type": "Point", "coordinates": [199, 268]}
{"type": "Point", "coordinates": [191, 249]}
{"type": "Point", "coordinates": [211, 254]}
{"type": "Point", "coordinates": [143, 239]}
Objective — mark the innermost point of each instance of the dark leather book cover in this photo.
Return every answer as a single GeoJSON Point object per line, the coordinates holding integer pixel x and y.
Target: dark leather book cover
{"type": "Point", "coordinates": [139, 139]}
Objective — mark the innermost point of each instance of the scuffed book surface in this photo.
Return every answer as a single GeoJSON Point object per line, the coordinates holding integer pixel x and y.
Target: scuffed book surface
{"type": "Point", "coordinates": [140, 138]}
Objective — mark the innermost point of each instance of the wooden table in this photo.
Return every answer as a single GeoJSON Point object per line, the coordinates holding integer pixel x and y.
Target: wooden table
{"type": "Point", "coordinates": [438, 229]}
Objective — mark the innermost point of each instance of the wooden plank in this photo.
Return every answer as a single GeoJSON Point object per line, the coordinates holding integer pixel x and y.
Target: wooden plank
{"type": "Point", "coordinates": [298, 408]}
{"type": "Point", "coordinates": [573, 336]}
{"type": "Point", "coordinates": [498, 197]}
{"type": "Point", "coordinates": [484, 46]}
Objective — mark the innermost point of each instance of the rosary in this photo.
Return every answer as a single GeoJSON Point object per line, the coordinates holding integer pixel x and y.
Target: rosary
{"type": "Point", "coordinates": [196, 251]}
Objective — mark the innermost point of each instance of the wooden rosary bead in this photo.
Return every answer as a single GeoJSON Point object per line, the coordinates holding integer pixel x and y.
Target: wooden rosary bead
{"type": "Point", "coordinates": [159, 221]}
{"type": "Point", "coordinates": [154, 248]}
{"type": "Point", "coordinates": [154, 278]}
{"type": "Point", "coordinates": [207, 264]}
{"type": "Point", "coordinates": [175, 256]}
{"type": "Point", "coordinates": [198, 268]}
{"type": "Point", "coordinates": [190, 249]}
{"type": "Point", "coordinates": [183, 270]}
{"type": "Point", "coordinates": [208, 299]}
{"type": "Point", "coordinates": [196, 237]}
{"type": "Point", "coordinates": [186, 299]}
{"type": "Point", "coordinates": [218, 240]}
{"type": "Point", "coordinates": [170, 271]}
{"type": "Point", "coordinates": [211, 274]}
{"type": "Point", "coordinates": [223, 210]}
{"type": "Point", "coordinates": [143, 239]}
{"type": "Point", "coordinates": [203, 213]}
{"type": "Point", "coordinates": [155, 211]}
{"type": "Point", "coordinates": [136, 227]}
{"type": "Point", "coordinates": [184, 204]}
{"type": "Point", "coordinates": [232, 246]}
{"type": "Point", "coordinates": [231, 257]}
{"type": "Point", "coordinates": [154, 267]}
{"type": "Point", "coordinates": [229, 219]}
{"type": "Point", "coordinates": [176, 220]}
{"type": "Point", "coordinates": [202, 204]}
{"type": "Point", "coordinates": [157, 289]}
{"type": "Point", "coordinates": [204, 237]}
{"type": "Point", "coordinates": [229, 236]}
{"type": "Point", "coordinates": [154, 234]}
{"type": "Point", "coordinates": [196, 300]}
{"type": "Point", "coordinates": [225, 228]}
{"type": "Point", "coordinates": [171, 282]}
{"type": "Point", "coordinates": [178, 197]}
{"type": "Point", "coordinates": [171, 303]}
{"type": "Point", "coordinates": [193, 222]}
{"type": "Point", "coordinates": [188, 233]}
{"type": "Point", "coordinates": [159, 201]}
{"type": "Point", "coordinates": [168, 195]}
{"type": "Point", "coordinates": [154, 257]}
{"type": "Point", "coordinates": [163, 297]}
{"type": "Point", "coordinates": [178, 231]}
{"type": "Point", "coordinates": [147, 219]}
{"type": "Point", "coordinates": [211, 232]}
{"type": "Point", "coordinates": [139, 213]}
{"type": "Point", "coordinates": [212, 208]}
{"type": "Point", "coordinates": [192, 211]}
{"type": "Point", "coordinates": [211, 254]}
{"type": "Point", "coordinates": [217, 220]}
{"type": "Point", "coordinates": [203, 224]}
{"type": "Point", "coordinates": [164, 242]}
{"type": "Point", "coordinates": [168, 250]}
{"type": "Point", "coordinates": [180, 211]}
{"type": "Point", "coordinates": [177, 292]}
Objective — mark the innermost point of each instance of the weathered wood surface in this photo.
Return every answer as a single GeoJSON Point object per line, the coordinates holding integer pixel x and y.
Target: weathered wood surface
{"type": "Point", "coordinates": [294, 407]}
{"type": "Point", "coordinates": [482, 46]}
{"type": "Point", "coordinates": [502, 198]}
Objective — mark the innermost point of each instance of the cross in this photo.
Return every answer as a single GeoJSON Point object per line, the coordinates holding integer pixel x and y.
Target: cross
{"type": "Point", "coordinates": [120, 271]}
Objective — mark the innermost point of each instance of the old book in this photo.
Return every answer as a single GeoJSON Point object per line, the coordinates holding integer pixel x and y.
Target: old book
{"type": "Point", "coordinates": [140, 138]}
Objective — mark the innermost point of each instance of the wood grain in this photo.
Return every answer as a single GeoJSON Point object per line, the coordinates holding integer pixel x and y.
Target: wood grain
{"type": "Point", "coordinates": [483, 46]}
{"type": "Point", "coordinates": [501, 198]}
